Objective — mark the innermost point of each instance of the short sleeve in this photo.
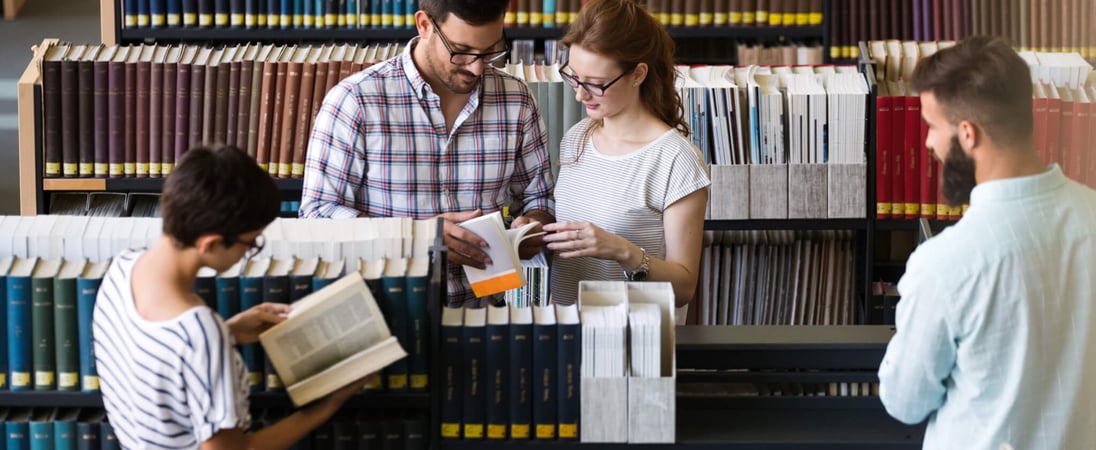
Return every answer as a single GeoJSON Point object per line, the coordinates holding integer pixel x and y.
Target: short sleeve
{"type": "Point", "coordinates": [215, 378]}
{"type": "Point", "coordinates": [687, 172]}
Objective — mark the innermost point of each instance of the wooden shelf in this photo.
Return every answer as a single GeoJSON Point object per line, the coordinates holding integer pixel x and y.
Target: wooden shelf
{"type": "Point", "coordinates": [787, 224]}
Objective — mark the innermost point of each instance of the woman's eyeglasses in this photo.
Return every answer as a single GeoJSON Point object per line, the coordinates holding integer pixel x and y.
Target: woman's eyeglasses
{"type": "Point", "coordinates": [254, 246]}
{"type": "Point", "coordinates": [594, 89]}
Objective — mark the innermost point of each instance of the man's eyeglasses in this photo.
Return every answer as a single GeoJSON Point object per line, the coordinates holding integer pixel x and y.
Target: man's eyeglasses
{"type": "Point", "coordinates": [596, 90]}
{"type": "Point", "coordinates": [254, 246]}
{"type": "Point", "coordinates": [466, 58]}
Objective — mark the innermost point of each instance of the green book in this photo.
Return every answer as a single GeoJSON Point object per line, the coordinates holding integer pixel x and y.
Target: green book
{"type": "Point", "coordinates": [65, 325]}
{"type": "Point", "coordinates": [42, 329]}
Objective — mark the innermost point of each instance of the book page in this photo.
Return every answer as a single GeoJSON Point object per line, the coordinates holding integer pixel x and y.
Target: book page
{"type": "Point", "coordinates": [325, 328]}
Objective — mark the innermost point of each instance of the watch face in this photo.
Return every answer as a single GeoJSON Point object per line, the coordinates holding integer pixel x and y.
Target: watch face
{"type": "Point", "coordinates": [639, 275]}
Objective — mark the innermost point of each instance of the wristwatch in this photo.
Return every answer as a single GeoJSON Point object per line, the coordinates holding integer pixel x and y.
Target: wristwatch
{"type": "Point", "coordinates": [640, 272]}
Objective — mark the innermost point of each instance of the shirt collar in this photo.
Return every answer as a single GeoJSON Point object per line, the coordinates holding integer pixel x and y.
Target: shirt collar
{"type": "Point", "coordinates": [418, 84]}
{"type": "Point", "coordinates": [1012, 188]}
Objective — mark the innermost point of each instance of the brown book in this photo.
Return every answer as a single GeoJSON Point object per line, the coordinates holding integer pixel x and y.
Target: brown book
{"type": "Point", "coordinates": [243, 102]}
{"type": "Point", "coordinates": [233, 113]}
{"type": "Point", "coordinates": [209, 96]}
{"type": "Point", "coordinates": [303, 123]}
{"type": "Point", "coordinates": [691, 11]}
{"type": "Point", "coordinates": [521, 17]}
{"type": "Point", "coordinates": [319, 86]}
{"type": "Point", "coordinates": [181, 140]}
{"type": "Point", "coordinates": [51, 109]}
{"type": "Point", "coordinates": [197, 99]}
{"type": "Point", "coordinates": [346, 65]}
{"type": "Point", "coordinates": [170, 109]}
{"type": "Point", "coordinates": [333, 66]}
{"type": "Point", "coordinates": [289, 118]}
{"type": "Point", "coordinates": [220, 95]}
{"type": "Point", "coordinates": [266, 108]}
{"type": "Point", "coordinates": [156, 112]}
{"type": "Point", "coordinates": [276, 117]}
{"type": "Point", "coordinates": [254, 121]}
{"type": "Point", "coordinates": [85, 93]}
{"type": "Point", "coordinates": [116, 112]}
{"type": "Point", "coordinates": [101, 110]}
{"type": "Point", "coordinates": [70, 111]}
{"type": "Point", "coordinates": [141, 116]}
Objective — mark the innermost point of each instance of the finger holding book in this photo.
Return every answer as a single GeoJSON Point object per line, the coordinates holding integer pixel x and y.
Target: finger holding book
{"type": "Point", "coordinates": [533, 245]}
{"type": "Point", "coordinates": [246, 326]}
{"type": "Point", "coordinates": [465, 247]}
{"type": "Point", "coordinates": [584, 239]}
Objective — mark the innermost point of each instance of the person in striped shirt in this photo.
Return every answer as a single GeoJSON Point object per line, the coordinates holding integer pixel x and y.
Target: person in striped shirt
{"type": "Point", "coordinates": [169, 370]}
{"type": "Point", "coordinates": [644, 222]}
{"type": "Point", "coordinates": [435, 131]}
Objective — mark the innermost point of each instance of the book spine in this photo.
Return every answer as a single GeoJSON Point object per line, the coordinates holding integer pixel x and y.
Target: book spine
{"type": "Point", "coordinates": [393, 303]}
{"type": "Point", "coordinates": [41, 435]}
{"type": "Point", "coordinates": [251, 294]}
{"type": "Point", "coordinates": [417, 333]}
{"type": "Point", "coordinates": [453, 369]}
{"type": "Point", "coordinates": [569, 346]}
{"type": "Point", "coordinates": [303, 123]}
{"type": "Point", "coordinates": [51, 117]}
{"type": "Point", "coordinates": [70, 115]}
{"type": "Point", "coordinates": [88, 289]}
{"type": "Point", "coordinates": [141, 119]}
{"type": "Point", "coordinates": [42, 329]}
{"type": "Point", "coordinates": [275, 290]}
{"type": "Point", "coordinates": [497, 356]}
{"type": "Point", "coordinates": [116, 119]}
{"type": "Point", "coordinates": [232, 115]}
{"type": "Point", "coordinates": [155, 117]}
{"type": "Point", "coordinates": [87, 435]}
{"type": "Point", "coordinates": [521, 381]}
{"type": "Point", "coordinates": [474, 401]}
{"type": "Point", "coordinates": [4, 332]}
{"type": "Point", "coordinates": [86, 135]}
{"type": "Point", "coordinates": [228, 296]}
{"type": "Point", "coordinates": [66, 334]}
{"type": "Point", "coordinates": [545, 413]}
{"type": "Point", "coordinates": [100, 113]}
{"type": "Point", "coordinates": [168, 120]}
{"type": "Point", "coordinates": [288, 119]}
{"type": "Point", "coordinates": [64, 435]}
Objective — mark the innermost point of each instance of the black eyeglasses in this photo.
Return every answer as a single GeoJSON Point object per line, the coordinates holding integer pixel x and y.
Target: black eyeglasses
{"type": "Point", "coordinates": [466, 58]}
{"type": "Point", "coordinates": [254, 246]}
{"type": "Point", "coordinates": [596, 90]}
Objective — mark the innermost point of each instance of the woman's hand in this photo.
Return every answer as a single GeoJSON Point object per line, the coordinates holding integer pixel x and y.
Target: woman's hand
{"type": "Point", "coordinates": [248, 325]}
{"type": "Point", "coordinates": [579, 239]}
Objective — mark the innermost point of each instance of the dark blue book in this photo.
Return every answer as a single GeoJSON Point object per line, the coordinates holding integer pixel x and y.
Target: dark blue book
{"type": "Point", "coordinates": [144, 18]}
{"type": "Point", "coordinates": [497, 362]}
{"type": "Point", "coordinates": [326, 273]}
{"type": "Point", "coordinates": [301, 278]}
{"type": "Point", "coordinates": [88, 428]}
{"type": "Point", "coordinates": [251, 294]}
{"type": "Point", "coordinates": [41, 429]}
{"type": "Point", "coordinates": [521, 372]}
{"type": "Point", "coordinates": [285, 13]}
{"type": "Point", "coordinates": [251, 13]}
{"type": "Point", "coordinates": [87, 286]}
{"type": "Point", "coordinates": [414, 433]}
{"type": "Point", "coordinates": [236, 11]}
{"type": "Point", "coordinates": [474, 352]}
{"type": "Point", "coordinates": [64, 429]}
{"type": "Point", "coordinates": [369, 436]}
{"type": "Point", "coordinates": [417, 281]}
{"type": "Point", "coordinates": [324, 436]}
{"type": "Point", "coordinates": [391, 434]}
{"type": "Point", "coordinates": [372, 272]}
{"type": "Point", "coordinates": [205, 13]}
{"type": "Point", "coordinates": [220, 13]}
{"type": "Point", "coordinates": [17, 429]}
{"type": "Point", "coordinates": [275, 290]}
{"type": "Point", "coordinates": [228, 291]}
{"type": "Point", "coordinates": [545, 411]}
{"type": "Point", "coordinates": [107, 439]}
{"type": "Point", "coordinates": [190, 13]}
{"type": "Point", "coordinates": [393, 303]}
{"type": "Point", "coordinates": [344, 432]}
{"type": "Point", "coordinates": [129, 13]}
{"type": "Point", "coordinates": [569, 355]}
{"type": "Point", "coordinates": [5, 266]}
{"type": "Point", "coordinates": [205, 286]}
{"type": "Point", "coordinates": [174, 15]}
{"type": "Point", "coordinates": [20, 340]}
{"type": "Point", "coordinates": [157, 12]}
{"type": "Point", "coordinates": [452, 326]}
{"type": "Point", "coordinates": [273, 13]}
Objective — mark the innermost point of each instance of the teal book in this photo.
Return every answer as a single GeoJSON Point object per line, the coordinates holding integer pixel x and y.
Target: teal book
{"type": "Point", "coordinates": [44, 361]}
{"type": "Point", "coordinates": [41, 429]}
{"type": "Point", "coordinates": [251, 294]}
{"type": "Point", "coordinates": [5, 266]}
{"type": "Point", "coordinates": [66, 324]}
{"type": "Point", "coordinates": [417, 282]}
{"type": "Point", "coordinates": [87, 286]}
{"type": "Point", "coordinates": [228, 291]}
{"type": "Point", "coordinates": [17, 429]}
{"type": "Point", "coordinates": [20, 340]}
{"type": "Point", "coordinates": [64, 429]}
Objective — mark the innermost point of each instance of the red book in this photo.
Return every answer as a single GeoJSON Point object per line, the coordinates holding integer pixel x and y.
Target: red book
{"type": "Point", "coordinates": [155, 113]}
{"type": "Point", "coordinates": [181, 140]}
{"type": "Point", "coordinates": [898, 168]}
{"type": "Point", "coordinates": [171, 108]}
{"type": "Point", "coordinates": [1054, 117]}
{"type": "Point", "coordinates": [1068, 157]}
{"type": "Point", "coordinates": [883, 196]}
{"type": "Point", "coordinates": [141, 117]}
{"type": "Point", "coordinates": [1039, 127]}
{"type": "Point", "coordinates": [1080, 144]}
{"type": "Point", "coordinates": [929, 182]}
{"type": "Point", "coordinates": [116, 112]}
{"type": "Point", "coordinates": [912, 175]}
{"type": "Point", "coordinates": [70, 113]}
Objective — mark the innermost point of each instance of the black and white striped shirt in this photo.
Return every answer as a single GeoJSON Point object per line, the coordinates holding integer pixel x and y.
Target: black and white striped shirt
{"type": "Point", "coordinates": [166, 385]}
{"type": "Point", "coordinates": [624, 195]}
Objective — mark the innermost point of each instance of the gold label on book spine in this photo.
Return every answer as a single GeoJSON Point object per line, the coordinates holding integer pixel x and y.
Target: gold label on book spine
{"type": "Point", "coordinates": [910, 209]}
{"type": "Point", "coordinates": [166, 168]}
{"type": "Point", "coordinates": [815, 18]}
{"type": "Point", "coordinates": [721, 19]}
{"type": "Point", "coordinates": [274, 382]}
{"type": "Point", "coordinates": [677, 19]}
{"type": "Point", "coordinates": [802, 18]}
{"type": "Point", "coordinates": [43, 378]}
{"type": "Point", "coordinates": [568, 430]}
{"type": "Point", "coordinates": [776, 19]}
{"type": "Point", "coordinates": [68, 380]}
{"type": "Point", "coordinates": [142, 20]}
{"type": "Point", "coordinates": [883, 208]}
{"type": "Point", "coordinates": [397, 382]}
{"type": "Point", "coordinates": [510, 18]}
{"type": "Point", "coordinates": [473, 431]}
{"type": "Point", "coordinates": [53, 168]}
{"type": "Point", "coordinates": [154, 169]}
{"type": "Point", "coordinates": [157, 20]}
{"type": "Point", "coordinates": [3, 380]}
{"type": "Point", "coordinates": [419, 381]}
{"type": "Point", "coordinates": [86, 169]}
{"type": "Point", "coordinates": [546, 431]}
{"type": "Point", "coordinates": [692, 20]}
{"type": "Point", "coordinates": [519, 431]}
{"type": "Point", "coordinates": [254, 378]}
{"type": "Point", "coordinates": [450, 430]}
{"type": "Point", "coordinates": [70, 169]}
{"type": "Point", "coordinates": [205, 20]}
{"type": "Point", "coordinates": [496, 431]}
{"type": "Point", "coordinates": [20, 379]}
{"type": "Point", "coordinates": [373, 383]}
{"type": "Point", "coordinates": [705, 19]}
{"type": "Point", "coordinates": [236, 19]}
{"type": "Point", "coordinates": [142, 168]}
{"type": "Point", "coordinates": [91, 383]}
{"type": "Point", "coordinates": [928, 210]}
{"type": "Point", "coordinates": [535, 18]}
{"type": "Point", "coordinates": [190, 18]}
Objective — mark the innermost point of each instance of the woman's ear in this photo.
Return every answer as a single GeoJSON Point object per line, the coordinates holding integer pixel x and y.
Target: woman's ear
{"type": "Point", "coordinates": [639, 74]}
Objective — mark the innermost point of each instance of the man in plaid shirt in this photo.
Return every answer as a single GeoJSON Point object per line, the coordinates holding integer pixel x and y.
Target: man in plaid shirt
{"type": "Point", "coordinates": [436, 131]}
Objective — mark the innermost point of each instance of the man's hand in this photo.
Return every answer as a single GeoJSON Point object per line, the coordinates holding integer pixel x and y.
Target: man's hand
{"type": "Point", "coordinates": [248, 325]}
{"type": "Point", "coordinates": [464, 246]}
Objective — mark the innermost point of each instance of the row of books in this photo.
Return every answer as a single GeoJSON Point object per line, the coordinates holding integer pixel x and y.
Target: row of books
{"type": "Point", "coordinates": [131, 111]}
{"type": "Point", "coordinates": [124, 204]}
{"type": "Point", "coordinates": [326, 14]}
{"type": "Point", "coordinates": [511, 372]}
{"type": "Point", "coordinates": [349, 431]}
{"type": "Point", "coordinates": [828, 389]}
{"type": "Point", "coordinates": [57, 428]}
{"type": "Point", "coordinates": [1046, 25]}
{"type": "Point", "coordinates": [777, 277]}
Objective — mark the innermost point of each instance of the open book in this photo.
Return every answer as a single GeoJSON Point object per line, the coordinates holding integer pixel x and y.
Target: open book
{"type": "Point", "coordinates": [332, 337]}
{"type": "Point", "coordinates": [504, 272]}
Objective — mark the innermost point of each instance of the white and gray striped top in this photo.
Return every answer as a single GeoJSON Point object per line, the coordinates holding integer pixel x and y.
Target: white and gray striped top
{"type": "Point", "coordinates": [169, 384]}
{"type": "Point", "coordinates": [624, 195]}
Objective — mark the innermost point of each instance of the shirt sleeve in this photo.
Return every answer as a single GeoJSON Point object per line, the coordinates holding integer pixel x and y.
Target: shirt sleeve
{"type": "Point", "coordinates": [923, 351]}
{"type": "Point", "coordinates": [688, 173]}
{"type": "Point", "coordinates": [212, 374]}
{"type": "Point", "coordinates": [532, 180]}
{"type": "Point", "coordinates": [334, 172]}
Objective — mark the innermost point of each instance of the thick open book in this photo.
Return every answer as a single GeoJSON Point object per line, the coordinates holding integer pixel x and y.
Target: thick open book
{"type": "Point", "coordinates": [505, 271]}
{"type": "Point", "coordinates": [332, 337]}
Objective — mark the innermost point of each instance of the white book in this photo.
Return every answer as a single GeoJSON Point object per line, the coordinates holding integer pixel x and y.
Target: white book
{"type": "Point", "coordinates": [505, 271]}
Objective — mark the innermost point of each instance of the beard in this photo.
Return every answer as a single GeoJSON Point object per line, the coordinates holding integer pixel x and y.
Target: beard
{"type": "Point", "coordinates": [957, 179]}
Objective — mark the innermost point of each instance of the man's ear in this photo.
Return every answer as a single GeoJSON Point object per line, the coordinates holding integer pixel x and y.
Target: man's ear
{"type": "Point", "coordinates": [422, 22]}
{"type": "Point", "coordinates": [970, 136]}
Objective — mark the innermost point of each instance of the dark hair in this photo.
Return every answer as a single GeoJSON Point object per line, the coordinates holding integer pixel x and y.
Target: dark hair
{"type": "Point", "coordinates": [218, 190]}
{"type": "Point", "coordinates": [981, 79]}
{"type": "Point", "coordinates": [475, 12]}
{"type": "Point", "coordinates": [622, 30]}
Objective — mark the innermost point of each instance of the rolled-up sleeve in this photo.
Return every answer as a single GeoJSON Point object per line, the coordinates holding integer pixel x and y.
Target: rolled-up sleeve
{"type": "Point", "coordinates": [532, 181]}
